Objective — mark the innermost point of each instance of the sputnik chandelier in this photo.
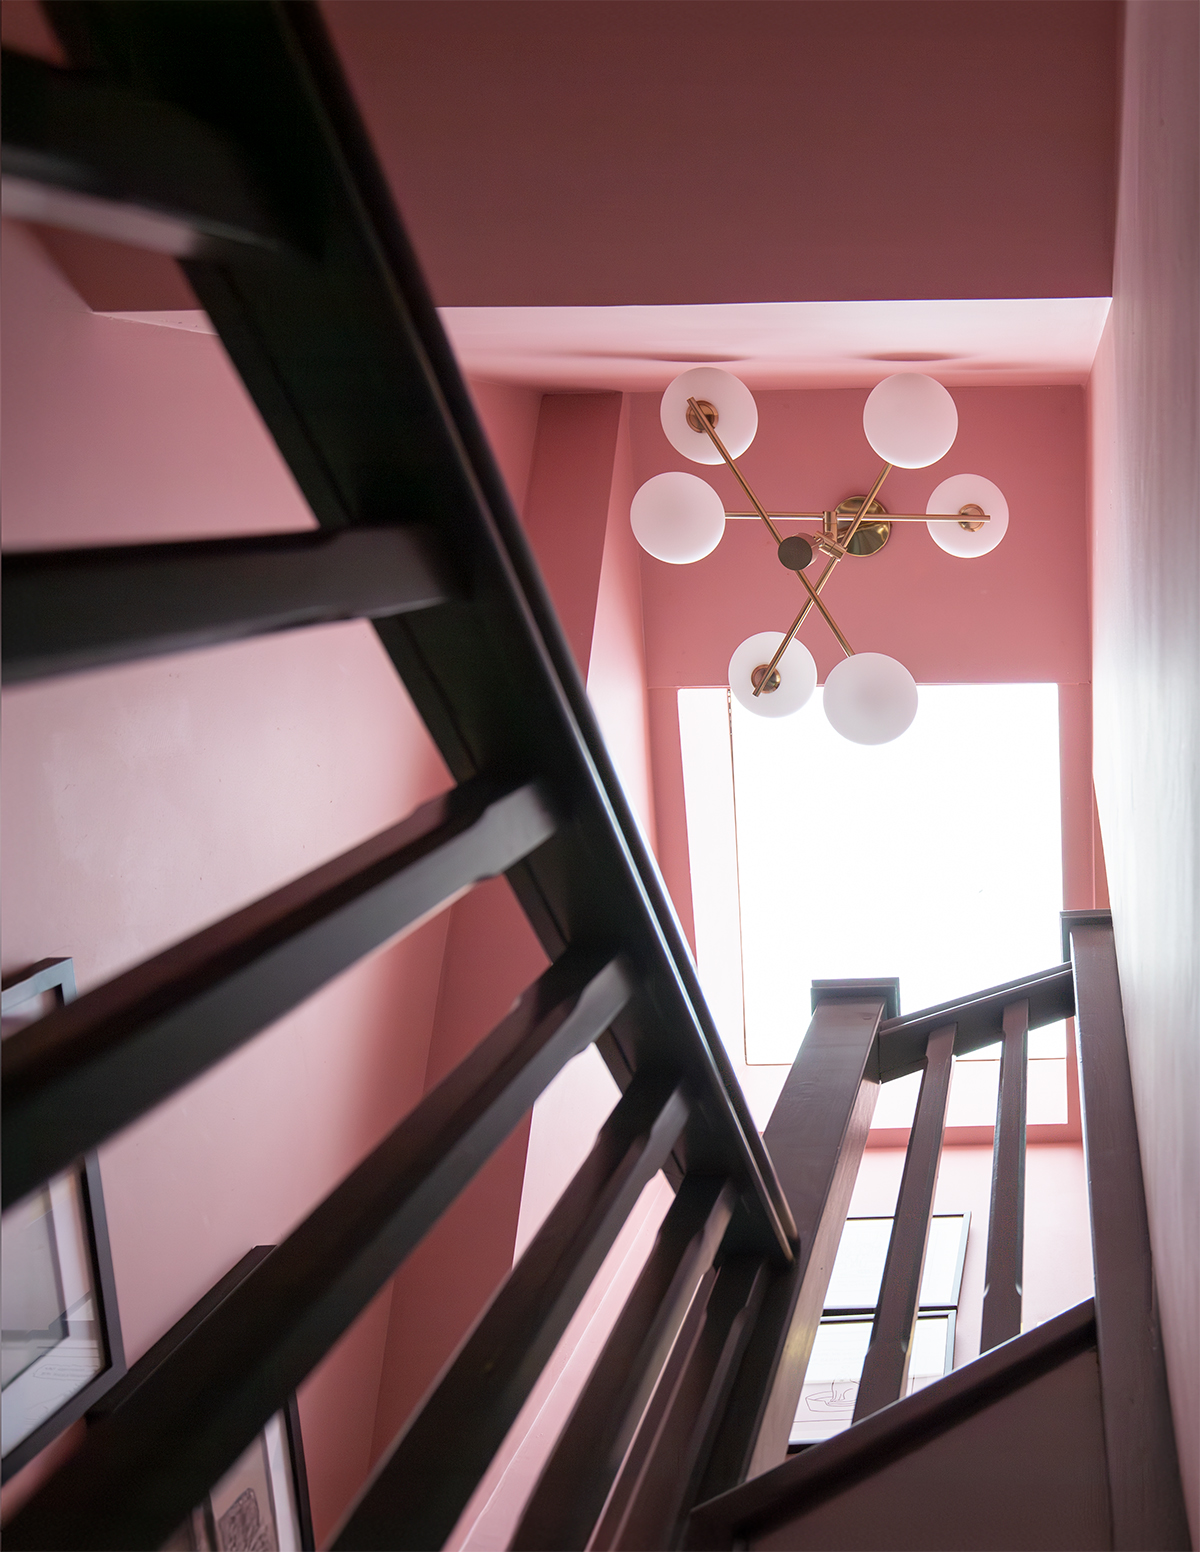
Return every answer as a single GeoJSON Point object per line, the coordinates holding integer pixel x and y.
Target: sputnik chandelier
{"type": "Point", "coordinates": [910, 421]}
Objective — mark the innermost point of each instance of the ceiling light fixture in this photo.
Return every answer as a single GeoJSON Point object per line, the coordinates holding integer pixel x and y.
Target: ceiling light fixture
{"type": "Point", "coordinates": [910, 421]}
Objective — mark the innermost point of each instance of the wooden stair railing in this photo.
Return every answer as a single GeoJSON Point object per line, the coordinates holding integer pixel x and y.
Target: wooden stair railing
{"type": "Point", "coordinates": [1060, 1436]}
{"type": "Point", "coordinates": [816, 1137]}
{"type": "Point", "coordinates": [223, 133]}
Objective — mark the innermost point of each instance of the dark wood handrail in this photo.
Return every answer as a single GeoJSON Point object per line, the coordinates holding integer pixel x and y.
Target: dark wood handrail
{"type": "Point", "coordinates": [979, 1017]}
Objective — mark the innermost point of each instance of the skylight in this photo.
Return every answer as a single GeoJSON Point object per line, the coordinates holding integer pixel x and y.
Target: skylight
{"type": "Point", "coordinates": [936, 858]}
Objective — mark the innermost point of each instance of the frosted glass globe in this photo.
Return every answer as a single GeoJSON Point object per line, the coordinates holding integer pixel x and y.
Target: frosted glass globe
{"type": "Point", "coordinates": [910, 420]}
{"type": "Point", "coordinates": [962, 490]}
{"type": "Point", "coordinates": [737, 413]}
{"type": "Point", "coordinates": [677, 517]}
{"type": "Point", "coordinates": [870, 698]}
{"type": "Point", "coordinates": [797, 675]}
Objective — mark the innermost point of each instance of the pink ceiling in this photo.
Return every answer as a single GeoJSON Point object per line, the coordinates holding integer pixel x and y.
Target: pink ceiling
{"type": "Point", "coordinates": [1012, 342]}
{"type": "Point", "coordinates": [548, 154]}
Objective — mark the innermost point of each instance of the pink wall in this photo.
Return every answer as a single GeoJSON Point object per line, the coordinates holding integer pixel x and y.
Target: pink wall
{"type": "Point", "coordinates": [510, 418]}
{"type": "Point", "coordinates": [567, 505]}
{"type": "Point", "coordinates": [616, 678]}
{"type": "Point", "coordinates": [1145, 479]}
{"type": "Point", "coordinates": [550, 154]}
{"type": "Point", "coordinates": [491, 957]}
{"type": "Point", "coordinates": [577, 518]}
{"type": "Point", "coordinates": [145, 801]}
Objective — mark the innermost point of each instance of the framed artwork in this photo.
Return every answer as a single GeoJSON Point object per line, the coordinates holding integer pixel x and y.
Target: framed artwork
{"type": "Point", "coordinates": [60, 1333]}
{"type": "Point", "coordinates": [839, 1349]}
{"type": "Point", "coordinates": [261, 1503]}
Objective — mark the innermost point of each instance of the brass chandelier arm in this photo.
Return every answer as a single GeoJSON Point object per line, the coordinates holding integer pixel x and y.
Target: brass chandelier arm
{"type": "Point", "coordinates": [737, 473]}
{"type": "Point", "coordinates": [813, 598]}
{"type": "Point", "coordinates": [774, 532]}
{"type": "Point", "coordinates": [795, 626]}
{"type": "Point", "coordinates": [887, 517]}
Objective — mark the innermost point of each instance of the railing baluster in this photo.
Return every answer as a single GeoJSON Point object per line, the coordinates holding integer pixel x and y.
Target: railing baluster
{"type": "Point", "coordinates": [424, 1484]}
{"type": "Point", "coordinates": [658, 1481]}
{"type": "Point", "coordinates": [886, 1367]}
{"type": "Point", "coordinates": [85, 1071]}
{"type": "Point", "coordinates": [816, 1136]}
{"type": "Point", "coordinates": [139, 1474]}
{"type": "Point", "coordinates": [67, 610]}
{"type": "Point", "coordinates": [1144, 1489]}
{"type": "Point", "coordinates": [84, 153]}
{"type": "Point", "coordinates": [1006, 1224]}
{"type": "Point", "coordinates": [575, 1481]}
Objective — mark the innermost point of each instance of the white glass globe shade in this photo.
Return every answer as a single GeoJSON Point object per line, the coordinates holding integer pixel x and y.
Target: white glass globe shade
{"type": "Point", "coordinates": [870, 698]}
{"type": "Point", "coordinates": [962, 490]}
{"type": "Point", "coordinates": [737, 413]}
{"type": "Point", "coordinates": [910, 420]}
{"type": "Point", "coordinates": [677, 517]}
{"type": "Point", "coordinates": [797, 675]}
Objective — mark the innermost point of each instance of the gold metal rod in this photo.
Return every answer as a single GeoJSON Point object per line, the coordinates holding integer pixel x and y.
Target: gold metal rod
{"type": "Point", "coordinates": [797, 623]}
{"type": "Point", "coordinates": [825, 614]}
{"type": "Point", "coordinates": [866, 506]}
{"type": "Point", "coordinates": [720, 447]}
{"type": "Point", "coordinates": [880, 517]}
{"type": "Point", "coordinates": [775, 534]}
{"type": "Point", "coordinates": [783, 646]}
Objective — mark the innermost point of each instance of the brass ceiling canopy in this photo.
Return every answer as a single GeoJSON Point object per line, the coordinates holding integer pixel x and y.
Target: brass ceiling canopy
{"type": "Point", "coordinates": [865, 538]}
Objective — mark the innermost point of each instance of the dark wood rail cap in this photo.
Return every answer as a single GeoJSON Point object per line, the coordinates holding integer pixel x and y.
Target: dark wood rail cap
{"type": "Point", "coordinates": [885, 986]}
{"type": "Point", "coordinates": [1089, 918]}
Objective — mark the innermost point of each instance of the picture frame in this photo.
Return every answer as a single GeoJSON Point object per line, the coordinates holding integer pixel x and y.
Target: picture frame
{"type": "Point", "coordinates": [261, 1503]}
{"type": "Point", "coordinates": [60, 1329]}
{"type": "Point", "coordinates": [830, 1387]}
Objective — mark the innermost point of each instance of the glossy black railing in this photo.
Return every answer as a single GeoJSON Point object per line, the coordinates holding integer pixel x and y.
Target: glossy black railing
{"type": "Point", "coordinates": [223, 133]}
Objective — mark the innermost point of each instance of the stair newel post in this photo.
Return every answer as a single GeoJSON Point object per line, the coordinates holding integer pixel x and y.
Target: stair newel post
{"type": "Point", "coordinates": [1006, 1224]}
{"type": "Point", "coordinates": [815, 1137]}
{"type": "Point", "coordinates": [1145, 1493]}
{"type": "Point", "coordinates": [885, 1371]}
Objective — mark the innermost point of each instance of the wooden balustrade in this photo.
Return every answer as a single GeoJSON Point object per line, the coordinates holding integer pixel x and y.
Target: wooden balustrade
{"type": "Point", "coordinates": [231, 128]}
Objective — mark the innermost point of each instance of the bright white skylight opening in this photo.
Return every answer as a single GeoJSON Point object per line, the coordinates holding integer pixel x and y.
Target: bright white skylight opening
{"type": "Point", "coordinates": [937, 858]}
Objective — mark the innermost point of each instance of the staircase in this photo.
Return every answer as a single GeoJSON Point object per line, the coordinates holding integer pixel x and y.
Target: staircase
{"type": "Point", "coordinates": [223, 133]}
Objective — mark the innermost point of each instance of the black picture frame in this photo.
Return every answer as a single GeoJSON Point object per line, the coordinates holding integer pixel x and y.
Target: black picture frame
{"type": "Point", "coordinates": [53, 980]}
{"type": "Point", "coordinates": [179, 1334]}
